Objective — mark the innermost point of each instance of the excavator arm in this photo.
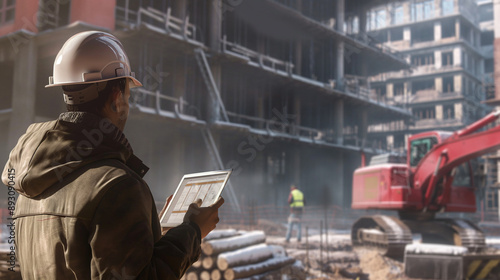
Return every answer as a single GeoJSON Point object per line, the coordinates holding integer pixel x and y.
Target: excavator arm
{"type": "Point", "coordinates": [461, 147]}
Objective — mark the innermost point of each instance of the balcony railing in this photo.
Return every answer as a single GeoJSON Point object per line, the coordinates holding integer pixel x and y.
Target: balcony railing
{"type": "Point", "coordinates": [256, 57]}
{"type": "Point", "coordinates": [164, 21]}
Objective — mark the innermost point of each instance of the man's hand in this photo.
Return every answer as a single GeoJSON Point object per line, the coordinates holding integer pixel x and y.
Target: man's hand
{"type": "Point", "coordinates": [205, 217]}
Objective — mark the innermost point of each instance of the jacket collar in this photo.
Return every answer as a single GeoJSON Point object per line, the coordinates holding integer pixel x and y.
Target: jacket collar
{"type": "Point", "coordinates": [113, 133]}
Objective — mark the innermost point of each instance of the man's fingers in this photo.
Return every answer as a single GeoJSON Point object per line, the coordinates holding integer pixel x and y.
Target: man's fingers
{"type": "Point", "coordinates": [218, 203]}
{"type": "Point", "coordinates": [198, 202]}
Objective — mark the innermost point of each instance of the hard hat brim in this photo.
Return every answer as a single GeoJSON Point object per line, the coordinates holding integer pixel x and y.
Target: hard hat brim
{"type": "Point", "coordinates": [135, 82]}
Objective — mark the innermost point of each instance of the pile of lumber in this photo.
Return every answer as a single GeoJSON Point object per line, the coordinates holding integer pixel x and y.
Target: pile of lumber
{"type": "Point", "coordinates": [231, 254]}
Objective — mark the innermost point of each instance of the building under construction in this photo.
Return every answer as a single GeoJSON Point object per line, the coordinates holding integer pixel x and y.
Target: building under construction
{"type": "Point", "coordinates": [276, 90]}
{"type": "Point", "coordinates": [449, 44]}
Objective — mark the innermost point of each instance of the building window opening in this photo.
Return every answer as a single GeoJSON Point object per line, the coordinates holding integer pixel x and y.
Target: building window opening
{"type": "Point", "coordinates": [447, 6]}
{"type": "Point", "coordinates": [487, 38]}
{"type": "Point", "coordinates": [490, 91]}
{"type": "Point", "coordinates": [399, 89]}
{"type": "Point", "coordinates": [423, 85]}
{"type": "Point", "coordinates": [422, 33]}
{"type": "Point", "coordinates": [448, 112]}
{"type": "Point", "coordinates": [53, 14]}
{"type": "Point", "coordinates": [422, 10]}
{"type": "Point", "coordinates": [425, 113]}
{"type": "Point", "coordinates": [488, 65]}
{"type": "Point", "coordinates": [7, 11]}
{"type": "Point", "coordinates": [485, 12]}
{"type": "Point", "coordinates": [447, 59]}
{"type": "Point", "coordinates": [381, 36]}
{"type": "Point", "coordinates": [448, 85]}
{"type": "Point", "coordinates": [398, 15]}
{"type": "Point", "coordinates": [397, 34]}
{"type": "Point", "coordinates": [465, 32]}
{"type": "Point", "coordinates": [126, 11]}
{"type": "Point", "coordinates": [447, 28]}
{"type": "Point", "coordinates": [378, 19]}
{"type": "Point", "coordinates": [423, 59]}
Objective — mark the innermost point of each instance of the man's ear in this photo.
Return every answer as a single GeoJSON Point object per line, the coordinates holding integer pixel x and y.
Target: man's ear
{"type": "Point", "coordinates": [117, 100]}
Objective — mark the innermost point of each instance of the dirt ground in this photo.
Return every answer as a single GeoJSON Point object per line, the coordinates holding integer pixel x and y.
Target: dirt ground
{"type": "Point", "coordinates": [332, 256]}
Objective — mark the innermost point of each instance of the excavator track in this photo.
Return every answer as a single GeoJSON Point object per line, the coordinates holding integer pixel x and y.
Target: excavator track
{"type": "Point", "coordinates": [466, 234]}
{"type": "Point", "coordinates": [389, 235]}
{"type": "Point", "coordinates": [459, 232]}
{"type": "Point", "coordinates": [385, 233]}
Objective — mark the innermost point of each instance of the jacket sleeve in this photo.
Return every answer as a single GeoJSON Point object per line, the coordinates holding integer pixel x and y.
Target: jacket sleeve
{"type": "Point", "coordinates": [122, 237]}
{"type": "Point", "coordinates": [290, 198]}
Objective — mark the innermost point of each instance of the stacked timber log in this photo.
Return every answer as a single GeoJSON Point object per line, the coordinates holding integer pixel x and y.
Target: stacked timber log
{"type": "Point", "coordinates": [232, 254]}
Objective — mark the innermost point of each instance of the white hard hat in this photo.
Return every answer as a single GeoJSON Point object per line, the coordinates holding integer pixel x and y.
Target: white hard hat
{"type": "Point", "coordinates": [91, 57]}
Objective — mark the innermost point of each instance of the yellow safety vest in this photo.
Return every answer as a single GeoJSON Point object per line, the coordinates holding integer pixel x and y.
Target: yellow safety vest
{"type": "Point", "coordinates": [298, 199]}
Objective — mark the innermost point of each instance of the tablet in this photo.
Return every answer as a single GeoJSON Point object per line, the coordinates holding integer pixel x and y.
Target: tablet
{"type": "Point", "coordinates": [205, 185]}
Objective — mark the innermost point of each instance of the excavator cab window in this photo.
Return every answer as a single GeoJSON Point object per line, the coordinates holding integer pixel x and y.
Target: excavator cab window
{"type": "Point", "coordinates": [461, 177]}
{"type": "Point", "coordinates": [420, 147]}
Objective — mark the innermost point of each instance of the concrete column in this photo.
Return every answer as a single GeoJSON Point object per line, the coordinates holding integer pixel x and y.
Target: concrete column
{"type": "Point", "coordinates": [389, 139]}
{"type": "Point", "coordinates": [260, 110]}
{"type": "Point", "coordinates": [340, 18]}
{"type": "Point", "coordinates": [298, 57]}
{"type": "Point", "coordinates": [179, 8]}
{"type": "Point", "coordinates": [457, 83]}
{"type": "Point", "coordinates": [338, 127]}
{"type": "Point", "coordinates": [296, 157]}
{"type": "Point", "coordinates": [363, 127]}
{"type": "Point", "coordinates": [214, 36]}
{"type": "Point", "coordinates": [389, 11]}
{"type": "Point", "coordinates": [437, 8]}
{"type": "Point", "coordinates": [23, 91]}
{"type": "Point", "coordinates": [437, 31]}
{"type": "Point", "coordinates": [439, 112]}
{"type": "Point", "coordinates": [437, 59]}
{"type": "Point", "coordinates": [362, 22]}
{"type": "Point", "coordinates": [407, 34]}
{"type": "Point", "coordinates": [457, 28]}
{"type": "Point", "coordinates": [458, 111]}
{"type": "Point", "coordinates": [297, 109]}
{"type": "Point", "coordinates": [438, 84]}
{"type": "Point", "coordinates": [406, 11]}
{"type": "Point", "coordinates": [457, 56]}
{"type": "Point", "coordinates": [407, 91]}
{"type": "Point", "coordinates": [339, 23]}
{"type": "Point", "coordinates": [349, 26]}
{"type": "Point", "coordinates": [389, 90]}
{"type": "Point", "coordinates": [179, 81]}
{"type": "Point", "coordinates": [214, 24]}
{"type": "Point", "coordinates": [339, 66]}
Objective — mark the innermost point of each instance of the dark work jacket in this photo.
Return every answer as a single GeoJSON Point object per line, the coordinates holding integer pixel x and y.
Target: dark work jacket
{"type": "Point", "coordinates": [84, 211]}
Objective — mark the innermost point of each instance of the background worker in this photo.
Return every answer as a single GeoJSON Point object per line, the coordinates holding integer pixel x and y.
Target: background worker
{"type": "Point", "coordinates": [296, 201]}
{"type": "Point", "coordinates": [84, 211]}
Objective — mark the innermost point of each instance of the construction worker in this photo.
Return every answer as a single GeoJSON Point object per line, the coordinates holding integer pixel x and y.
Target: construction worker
{"type": "Point", "coordinates": [84, 211]}
{"type": "Point", "coordinates": [296, 201]}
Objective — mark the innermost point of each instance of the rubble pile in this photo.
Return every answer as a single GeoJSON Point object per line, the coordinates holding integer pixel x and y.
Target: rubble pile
{"type": "Point", "coordinates": [231, 254]}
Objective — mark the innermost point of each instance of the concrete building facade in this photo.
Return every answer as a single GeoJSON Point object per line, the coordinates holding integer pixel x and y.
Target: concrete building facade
{"type": "Point", "coordinates": [276, 90]}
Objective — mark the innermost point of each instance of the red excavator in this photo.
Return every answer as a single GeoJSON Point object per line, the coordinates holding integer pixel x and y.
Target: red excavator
{"type": "Point", "coordinates": [437, 177]}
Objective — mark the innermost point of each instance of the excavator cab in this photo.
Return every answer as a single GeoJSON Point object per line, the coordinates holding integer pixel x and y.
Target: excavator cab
{"type": "Point", "coordinates": [419, 147]}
